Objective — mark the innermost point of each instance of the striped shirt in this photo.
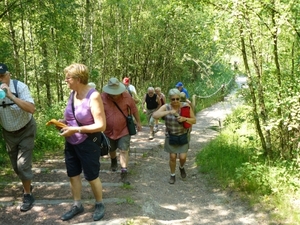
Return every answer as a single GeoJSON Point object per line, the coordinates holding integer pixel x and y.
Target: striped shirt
{"type": "Point", "coordinates": [12, 117]}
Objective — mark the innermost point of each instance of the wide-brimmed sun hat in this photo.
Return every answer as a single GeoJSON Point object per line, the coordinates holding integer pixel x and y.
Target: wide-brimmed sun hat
{"type": "Point", "coordinates": [114, 87]}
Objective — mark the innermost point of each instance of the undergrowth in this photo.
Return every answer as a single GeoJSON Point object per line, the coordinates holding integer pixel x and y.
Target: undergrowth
{"type": "Point", "coordinates": [235, 159]}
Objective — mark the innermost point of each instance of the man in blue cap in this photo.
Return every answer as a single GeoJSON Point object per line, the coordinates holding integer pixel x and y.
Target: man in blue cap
{"type": "Point", "coordinates": [180, 87]}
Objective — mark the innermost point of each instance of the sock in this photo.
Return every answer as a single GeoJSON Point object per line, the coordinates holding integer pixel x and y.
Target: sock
{"type": "Point", "coordinates": [181, 167]}
{"type": "Point", "coordinates": [97, 203]}
{"type": "Point", "coordinates": [173, 174]}
{"type": "Point", "coordinates": [77, 203]}
{"type": "Point", "coordinates": [123, 170]}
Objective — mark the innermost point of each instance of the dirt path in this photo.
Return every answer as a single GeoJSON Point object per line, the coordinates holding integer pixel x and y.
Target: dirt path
{"type": "Point", "coordinates": [149, 200]}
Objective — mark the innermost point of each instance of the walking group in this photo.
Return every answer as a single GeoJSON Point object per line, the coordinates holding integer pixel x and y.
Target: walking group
{"type": "Point", "coordinates": [89, 111]}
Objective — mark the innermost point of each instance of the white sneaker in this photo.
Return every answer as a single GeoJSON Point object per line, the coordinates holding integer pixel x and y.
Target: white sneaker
{"type": "Point", "coordinates": [151, 136]}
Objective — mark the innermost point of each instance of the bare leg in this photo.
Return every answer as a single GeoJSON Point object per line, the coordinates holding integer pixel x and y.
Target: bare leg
{"type": "Point", "coordinates": [182, 159]}
{"type": "Point", "coordinates": [124, 158]}
{"type": "Point", "coordinates": [76, 187]}
{"type": "Point", "coordinates": [96, 186]}
{"type": "Point", "coordinates": [77, 207]}
{"type": "Point", "coordinates": [172, 162]}
{"type": "Point", "coordinates": [26, 186]}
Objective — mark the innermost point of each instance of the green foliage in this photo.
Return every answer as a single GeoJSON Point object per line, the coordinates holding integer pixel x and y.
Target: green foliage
{"type": "Point", "coordinates": [221, 157]}
{"type": "Point", "coordinates": [214, 92]}
{"type": "Point", "coordinates": [153, 42]}
{"type": "Point", "coordinates": [237, 161]}
{"type": "Point", "coordinates": [143, 118]}
{"type": "Point", "coordinates": [266, 177]}
{"type": "Point", "coordinates": [4, 159]}
{"type": "Point", "coordinates": [48, 139]}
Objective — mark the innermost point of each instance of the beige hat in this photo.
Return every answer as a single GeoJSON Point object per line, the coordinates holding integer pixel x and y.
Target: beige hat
{"type": "Point", "coordinates": [114, 87]}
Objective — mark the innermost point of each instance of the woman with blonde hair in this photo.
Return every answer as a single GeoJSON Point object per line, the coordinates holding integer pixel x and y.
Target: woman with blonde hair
{"type": "Point", "coordinates": [84, 114]}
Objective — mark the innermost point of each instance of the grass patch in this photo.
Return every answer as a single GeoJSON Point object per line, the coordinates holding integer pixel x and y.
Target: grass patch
{"type": "Point", "coordinates": [127, 186]}
{"type": "Point", "coordinates": [234, 159]}
{"type": "Point", "coordinates": [221, 158]}
{"type": "Point", "coordinates": [128, 200]}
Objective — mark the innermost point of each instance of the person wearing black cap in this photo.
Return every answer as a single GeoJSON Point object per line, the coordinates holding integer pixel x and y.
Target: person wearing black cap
{"type": "Point", "coordinates": [19, 130]}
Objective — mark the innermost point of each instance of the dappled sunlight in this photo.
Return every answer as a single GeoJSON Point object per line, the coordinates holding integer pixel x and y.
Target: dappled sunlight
{"type": "Point", "coordinates": [150, 199]}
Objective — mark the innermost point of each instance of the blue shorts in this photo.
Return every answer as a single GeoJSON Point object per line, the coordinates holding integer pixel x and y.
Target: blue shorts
{"type": "Point", "coordinates": [84, 156]}
{"type": "Point", "coordinates": [122, 143]}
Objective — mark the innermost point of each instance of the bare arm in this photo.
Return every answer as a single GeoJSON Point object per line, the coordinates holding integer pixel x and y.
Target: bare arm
{"type": "Point", "coordinates": [143, 104]}
{"type": "Point", "coordinates": [97, 110]}
{"type": "Point", "coordinates": [162, 111]}
{"type": "Point", "coordinates": [164, 98]}
{"type": "Point", "coordinates": [158, 101]}
{"type": "Point", "coordinates": [138, 120]}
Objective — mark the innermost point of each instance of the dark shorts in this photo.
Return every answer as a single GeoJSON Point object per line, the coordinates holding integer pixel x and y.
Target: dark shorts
{"type": "Point", "coordinates": [84, 156]}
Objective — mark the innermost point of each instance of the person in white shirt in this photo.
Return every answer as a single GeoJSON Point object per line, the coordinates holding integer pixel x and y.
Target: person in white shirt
{"type": "Point", "coordinates": [131, 89]}
{"type": "Point", "coordinates": [18, 130]}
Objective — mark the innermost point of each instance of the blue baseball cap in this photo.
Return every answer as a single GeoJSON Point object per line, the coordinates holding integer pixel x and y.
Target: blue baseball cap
{"type": "Point", "coordinates": [179, 84]}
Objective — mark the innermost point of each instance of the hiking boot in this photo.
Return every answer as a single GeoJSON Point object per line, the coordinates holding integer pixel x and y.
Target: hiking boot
{"type": "Point", "coordinates": [172, 180]}
{"type": "Point", "coordinates": [114, 164]}
{"type": "Point", "coordinates": [182, 173]}
{"type": "Point", "coordinates": [28, 201]}
{"type": "Point", "coordinates": [73, 212]}
{"type": "Point", "coordinates": [124, 178]}
{"type": "Point", "coordinates": [99, 211]}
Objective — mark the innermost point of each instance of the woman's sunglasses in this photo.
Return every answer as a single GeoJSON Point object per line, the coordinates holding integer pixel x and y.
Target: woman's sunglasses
{"type": "Point", "coordinates": [173, 99]}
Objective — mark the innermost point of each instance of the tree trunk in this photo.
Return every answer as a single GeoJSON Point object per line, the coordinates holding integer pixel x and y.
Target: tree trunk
{"type": "Point", "coordinates": [17, 70]}
{"type": "Point", "coordinates": [251, 88]}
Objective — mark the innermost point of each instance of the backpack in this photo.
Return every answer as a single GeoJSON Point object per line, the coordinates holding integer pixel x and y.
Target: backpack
{"type": "Point", "coordinates": [16, 87]}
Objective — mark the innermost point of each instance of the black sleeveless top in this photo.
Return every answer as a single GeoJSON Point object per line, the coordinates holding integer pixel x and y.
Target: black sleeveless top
{"type": "Point", "coordinates": [151, 102]}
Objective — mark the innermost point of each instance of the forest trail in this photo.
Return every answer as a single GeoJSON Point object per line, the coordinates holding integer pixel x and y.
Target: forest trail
{"type": "Point", "coordinates": [150, 199]}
